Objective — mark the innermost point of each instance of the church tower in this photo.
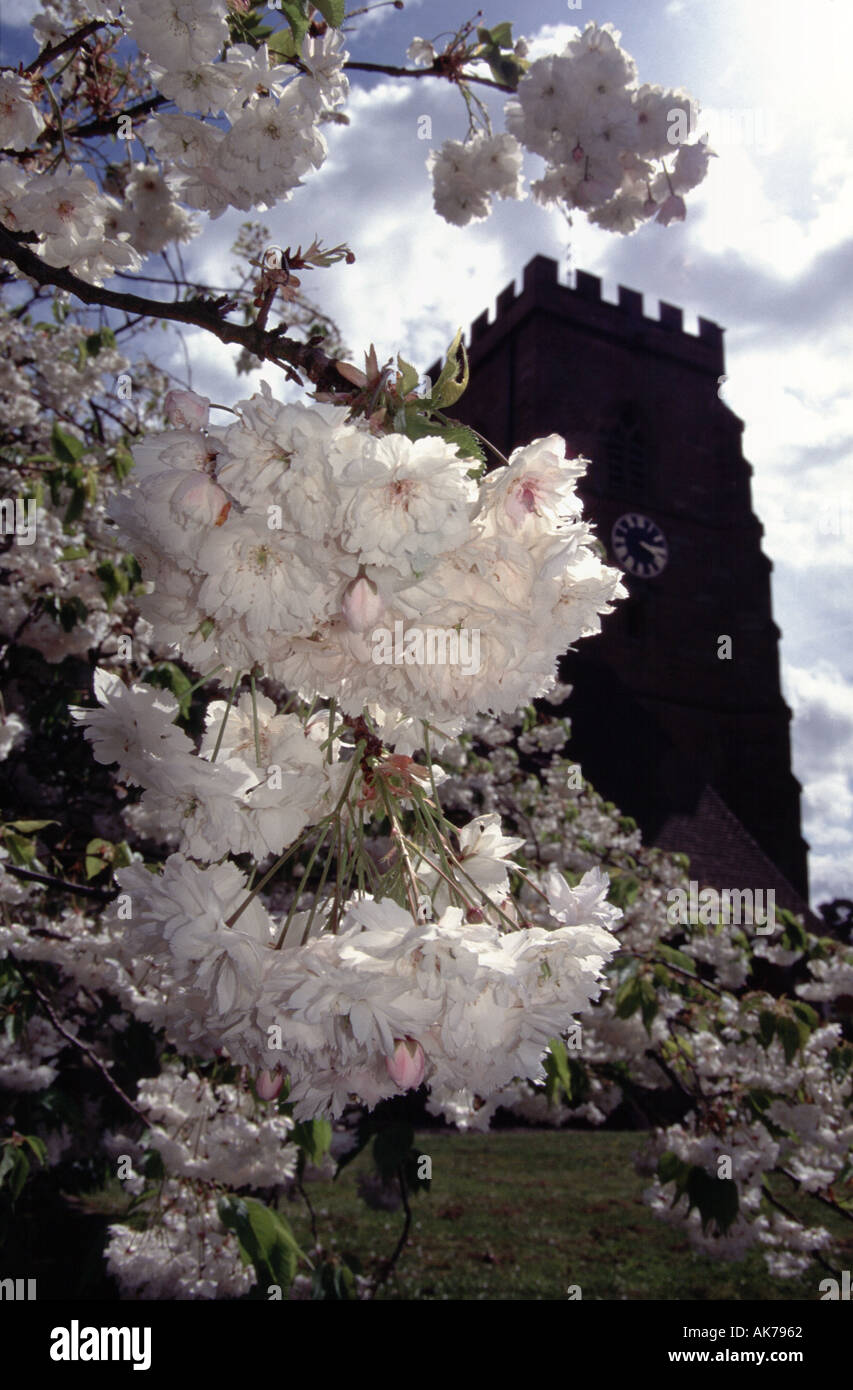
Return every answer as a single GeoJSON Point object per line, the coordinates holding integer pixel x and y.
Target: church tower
{"type": "Point", "coordinates": [677, 711]}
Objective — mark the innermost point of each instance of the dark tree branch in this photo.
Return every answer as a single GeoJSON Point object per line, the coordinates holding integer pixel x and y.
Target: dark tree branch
{"type": "Point", "coordinates": [84, 1048]}
{"type": "Point", "coordinates": [428, 72]}
{"type": "Point", "coordinates": [65, 45]}
{"type": "Point", "coordinates": [49, 881]}
{"type": "Point", "coordinates": [268, 345]}
{"type": "Point", "coordinates": [107, 125]}
{"type": "Point", "coordinates": [388, 1266]}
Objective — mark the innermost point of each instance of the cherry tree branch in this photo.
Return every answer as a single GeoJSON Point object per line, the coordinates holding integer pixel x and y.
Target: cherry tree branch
{"type": "Point", "coordinates": [84, 1048]}
{"type": "Point", "coordinates": [451, 76]}
{"type": "Point", "coordinates": [266, 344]}
{"type": "Point", "coordinates": [55, 50]}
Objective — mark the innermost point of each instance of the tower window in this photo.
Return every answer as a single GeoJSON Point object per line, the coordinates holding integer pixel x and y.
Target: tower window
{"type": "Point", "coordinates": [625, 453]}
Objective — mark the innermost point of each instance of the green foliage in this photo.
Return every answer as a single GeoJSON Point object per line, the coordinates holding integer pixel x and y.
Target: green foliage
{"type": "Point", "coordinates": [495, 48]}
{"type": "Point", "coordinates": [675, 957]}
{"type": "Point", "coordinates": [636, 992]}
{"type": "Point", "coordinates": [119, 577]}
{"type": "Point", "coordinates": [333, 1281]}
{"type": "Point", "coordinates": [103, 338]}
{"type": "Point", "coordinates": [67, 448]}
{"type": "Point", "coordinates": [452, 380]}
{"type": "Point", "coordinates": [296, 14]}
{"type": "Point", "coordinates": [792, 1022]}
{"type": "Point", "coordinates": [564, 1074]}
{"type": "Point", "coordinates": [624, 888]}
{"type": "Point", "coordinates": [715, 1198]}
{"type": "Point", "coordinates": [167, 676]}
{"type": "Point", "coordinates": [103, 854]}
{"type": "Point", "coordinates": [313, 1137]}
{"type": "Point", "coordinates": [265, 1238]}
{"type": "Point", "coordinates": [333, 11]}
{"type": "Point", "coordinates": [248, 27]}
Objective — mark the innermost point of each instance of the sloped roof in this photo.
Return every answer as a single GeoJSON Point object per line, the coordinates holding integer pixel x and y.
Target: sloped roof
{"type": "Point", "coordinates": [723, 854]}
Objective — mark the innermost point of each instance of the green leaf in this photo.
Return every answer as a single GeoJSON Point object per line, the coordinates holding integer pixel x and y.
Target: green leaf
{"type": "Point", "coordinates": [38, 1147]}
{"type": "Point", "coordinates": [624, 888]}
{"type": "Point", "coordinates": [283, 44]}
{"type": "Point", "coordinates": [467, 444]}
{"type": "Point", "coordinates": [716, 1198]}
{"type": "Point", "coordinates": [788, 1034]}
{"type": "Point", "coordinates": [28, 827]}
{"type": "Point", "coordinates": [333, 11]}
{"type": "Point", "coordinates": [334, 1281]}
{"type": "Point", "coordinates": [152, 1165]}
{"type": "Point", "coordinates": [167, 676]}
{"type": "Point", "coordinates": [671, 1168]}
{"type": "Point", "coordinates": [264, 1237]}
{"type": "Point", "coordinates": [559, 1060]}
{"type": "Point", "coordinates": [506, 68]}
{"type": "Point", "coordinates": [104, 338]}
{"type": "Point", "coordinates": [122, 462]}
{"type": "Point", "coordinates": [766, 1027]}
{"type": "Point", "coordinates": [114, 580]}
{"type": "Point", "coordinates": [452, 379]}
{"type": "Point", "coordinates": [54, 482]}
{"type": "Point", "coordinates": [75, 508]}
{"type": "Point", "coordinates": [72, 611]}
{"type": "Point", "coordinates": [409, 376]}
{"type": "Point", "coordinates": [805, 1013]}
{"type": "Point", "coordinates": [14, 1170]}
{"type": "Point", "coordinates": [294, 12]}
{"type": "Point", "coordinates": [501, 35]}
{"type": "Point", "coordinates": [363, 1135]}
{"type": "Point", "coordinates": [391, 1148]}
{"type": "Point", "coordinates": [21, 850]}
{"type": "Point", "coordinates": [627, 998]}
{"type": "Point", "coordinates": [314, 1138]}
{"type": "Point", "coordinates": [684, 962]}
{"type": "Point", "coordinates": [66, 447]}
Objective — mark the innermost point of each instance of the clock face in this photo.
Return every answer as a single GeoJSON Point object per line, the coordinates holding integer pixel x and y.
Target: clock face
{"type": "Point", "coordinates": [639, 545]}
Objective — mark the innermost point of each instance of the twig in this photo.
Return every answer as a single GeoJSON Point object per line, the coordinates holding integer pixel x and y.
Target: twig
{"type": "Point", "coordinates": [65, 45]}
{"type": "Point", "coordinates": [88, 890]}
{"type": "Point", "coordinates": [428, 72]}
{"type": "Point", "coordinates": [388, 1267]}
{"type": "Point", "coordinates": [200, 313]}
{"type": "Point", "coordinates": [85, 1049]}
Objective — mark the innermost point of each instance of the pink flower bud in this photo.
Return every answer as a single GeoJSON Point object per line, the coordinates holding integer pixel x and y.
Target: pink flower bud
{"type": "Point", "coordinates": [201, 499]}
{"type": "Point", "coordinates": [406, 1068]}
{"type": "Point", "coordinates": [268, 1084]}
{"type": "Point", "coordinates": [672, 209]}
{"type": "Point", "coordinates": [361, 605]}
{"type": "Point", "coordinates": [186, 411]}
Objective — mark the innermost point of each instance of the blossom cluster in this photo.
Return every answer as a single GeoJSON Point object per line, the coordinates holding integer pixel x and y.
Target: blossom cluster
{"type": "Point", "coordinates": [331, 1011]}
{"type": "Point", "coordinates": [604, 138]}
{"type": "Point", "coordinates": [284, 540]}
{"type": "Point", "coordinates": [222, 800]}
{"type": "Point", "coordinates": [244, 133]}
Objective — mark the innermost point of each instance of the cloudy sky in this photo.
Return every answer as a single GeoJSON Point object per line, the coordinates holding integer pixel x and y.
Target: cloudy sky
{"type": "Point", "coordinates": [766, 251]}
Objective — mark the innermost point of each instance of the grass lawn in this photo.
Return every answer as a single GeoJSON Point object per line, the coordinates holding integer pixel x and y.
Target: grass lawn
{"type": "Point", "coordinates": [523, 1214]}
